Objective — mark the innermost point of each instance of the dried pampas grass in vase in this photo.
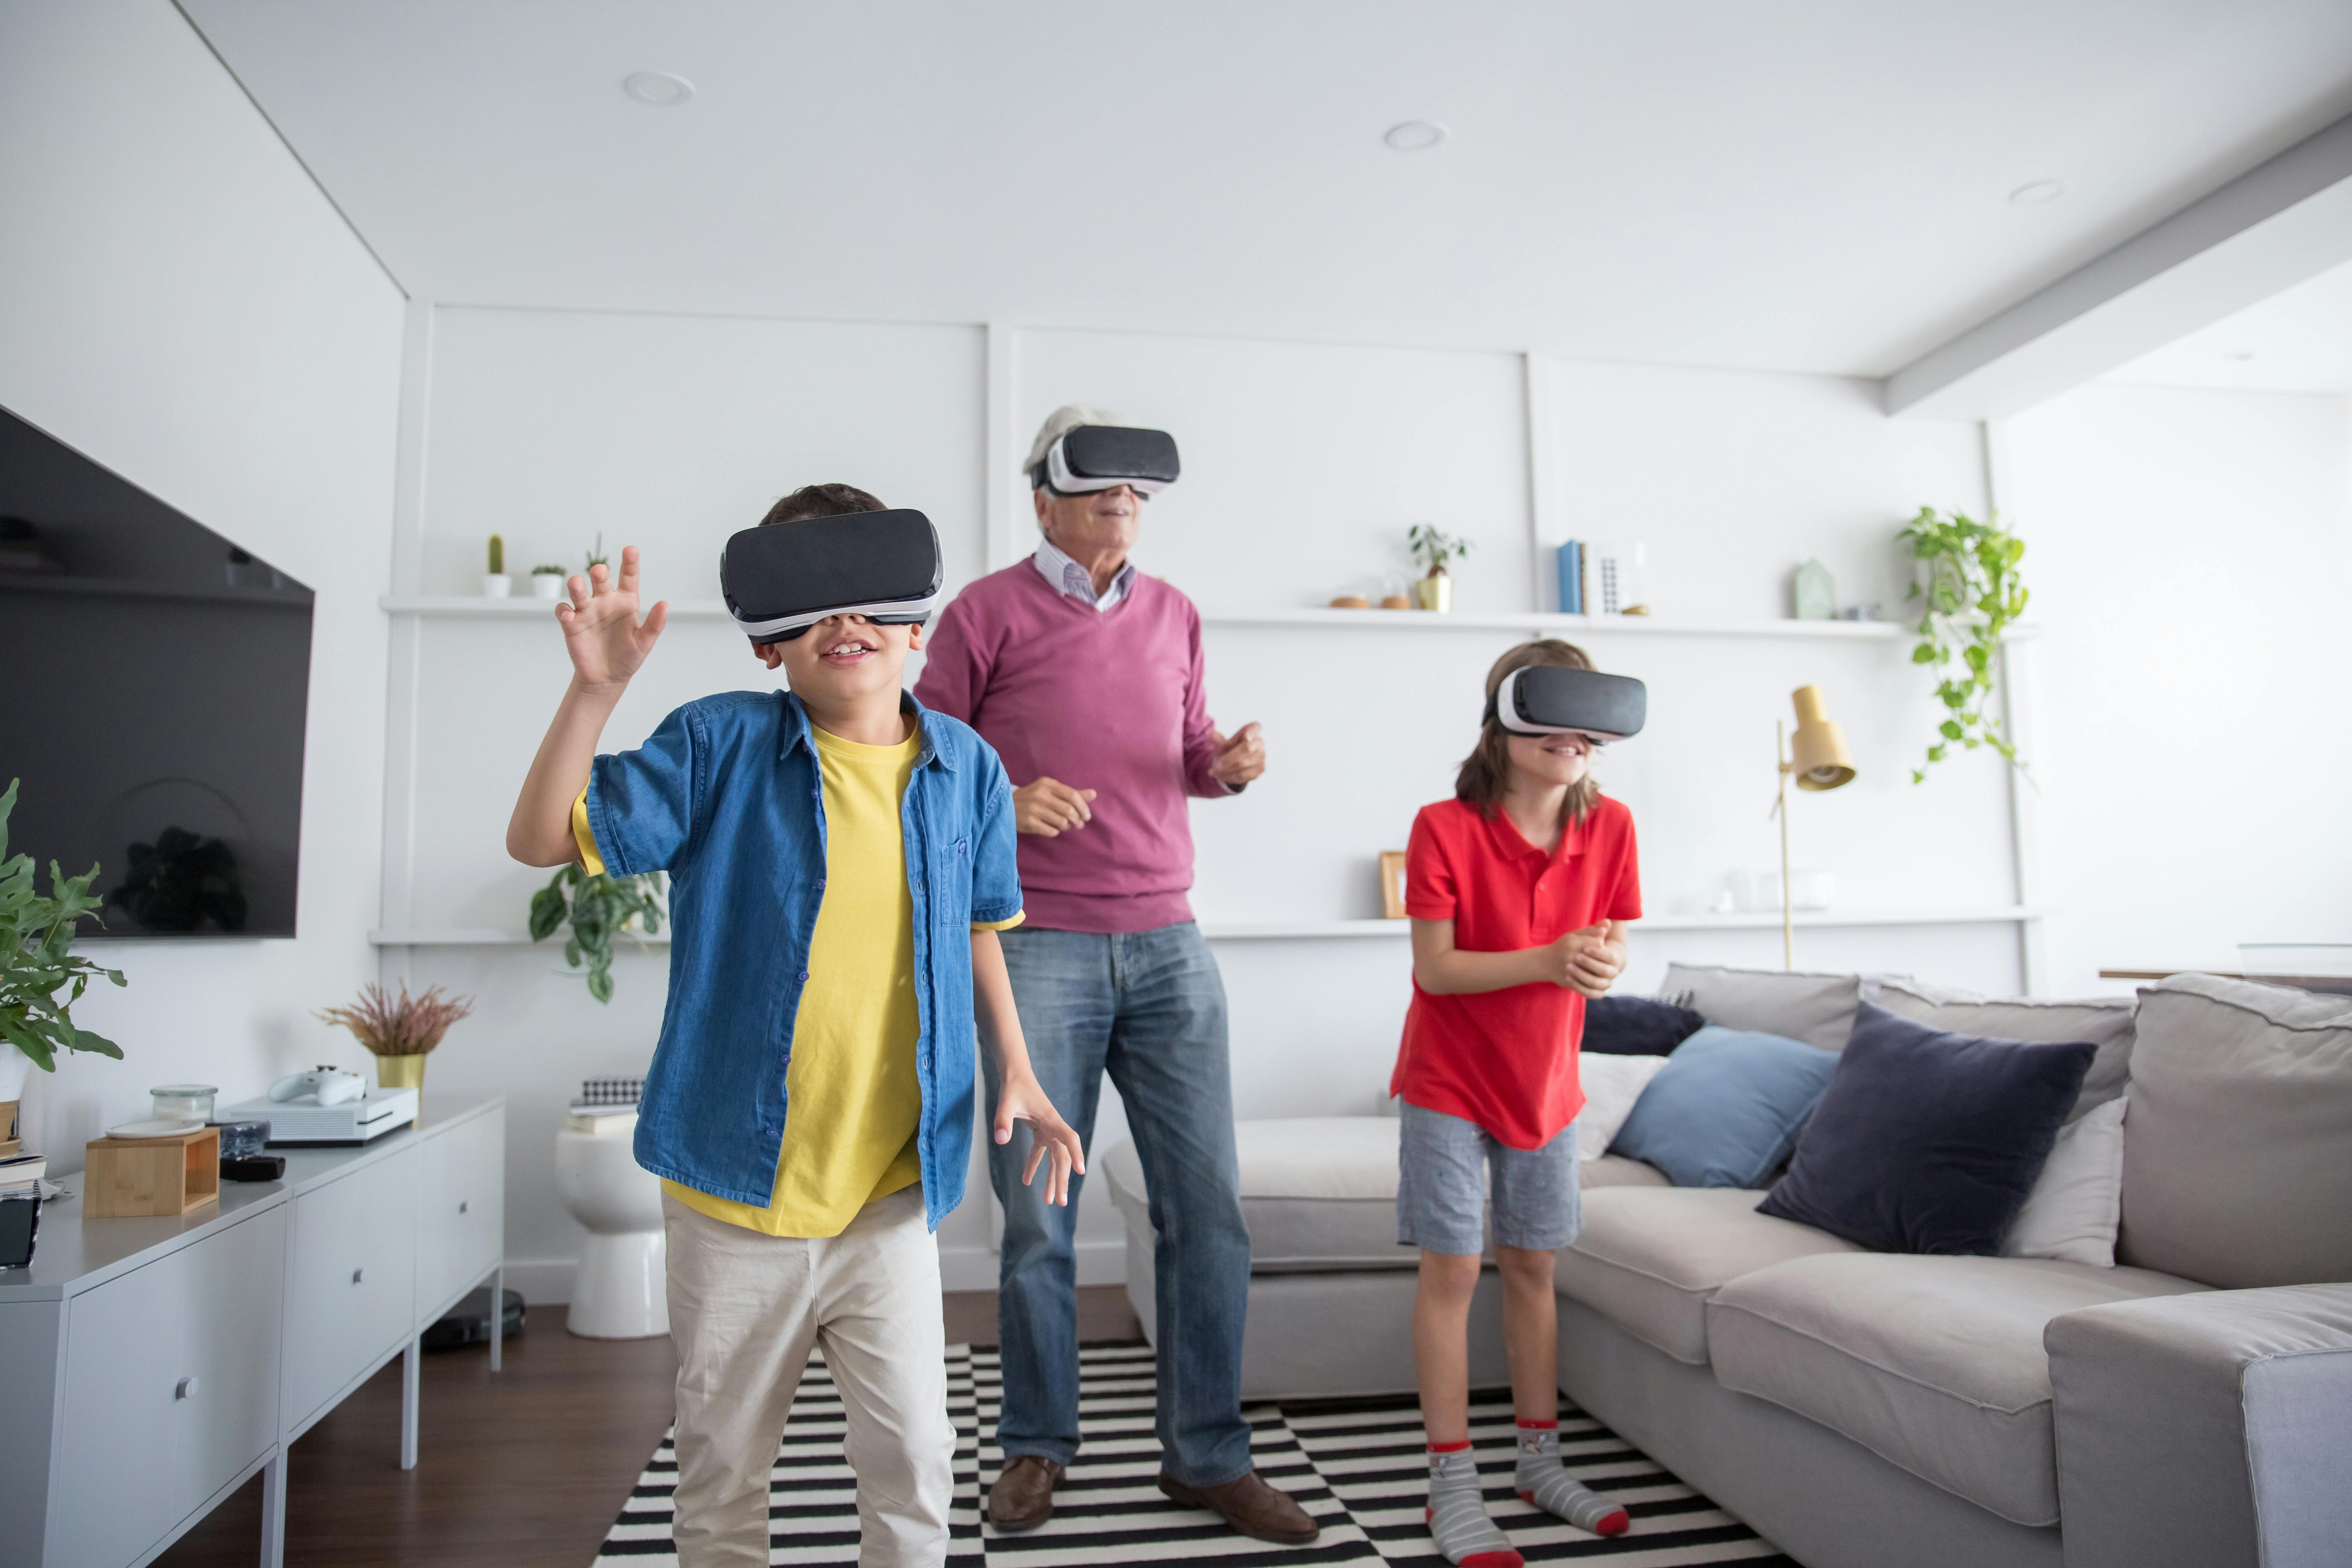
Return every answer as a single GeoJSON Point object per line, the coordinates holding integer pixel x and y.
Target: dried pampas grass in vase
{"type": "Point", "coordinates": [399, 1034]}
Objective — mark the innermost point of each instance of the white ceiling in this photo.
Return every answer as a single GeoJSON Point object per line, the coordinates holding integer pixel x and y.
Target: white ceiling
{"type": "Point", "coordinates": [1808, 185]}
{"type": "Point", "coordinates": [2300, 341]}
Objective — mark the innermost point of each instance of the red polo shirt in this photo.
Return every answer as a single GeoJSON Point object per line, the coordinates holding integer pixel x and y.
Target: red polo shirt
{"type": "Point", "coordinates": [1506, 1059]}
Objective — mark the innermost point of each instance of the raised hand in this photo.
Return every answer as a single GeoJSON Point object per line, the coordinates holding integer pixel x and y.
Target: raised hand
{"type": "Point", "coordinates": [1240, 759]}
{"type": "Point", "coordinates": [1048, 808]}
{"type": "Point", "coordinates": [600, 630]}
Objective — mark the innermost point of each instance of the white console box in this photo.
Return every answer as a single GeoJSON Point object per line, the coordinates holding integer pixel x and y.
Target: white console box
{"type": "Point", "coordinates": [149, 1367]}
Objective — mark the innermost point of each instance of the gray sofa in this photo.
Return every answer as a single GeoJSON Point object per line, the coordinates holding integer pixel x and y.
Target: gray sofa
{"type": "Point", "coordinates": [2190, 1408]}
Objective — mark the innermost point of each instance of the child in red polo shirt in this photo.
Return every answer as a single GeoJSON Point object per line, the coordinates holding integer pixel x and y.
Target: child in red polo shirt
{"type": "Point", "coordinates": [1519, 888]}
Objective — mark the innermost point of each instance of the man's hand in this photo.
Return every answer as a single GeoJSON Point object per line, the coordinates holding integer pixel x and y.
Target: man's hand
{"type": "Point", "coordinates": [1239, 760]}
{"type": "Point", "coordinates": [1047, 807]}
{"type": "Point", "coordinates": [1022, 1099]}
{"type": "Point", "coordinates": [601, 631]}
{"type": "Point", "coordinates": [1588, 960]}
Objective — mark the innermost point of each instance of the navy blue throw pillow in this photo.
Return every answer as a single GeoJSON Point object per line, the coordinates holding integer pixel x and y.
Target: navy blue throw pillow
{"type": "Point", "coordinates": [1637, 1026]}
{"type": "Point", "coordinates": [1928, 1141]}
{"type": "Point", "coordinates": [1725, 1109]}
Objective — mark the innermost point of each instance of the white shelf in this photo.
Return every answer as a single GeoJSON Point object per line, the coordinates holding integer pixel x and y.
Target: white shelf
{"type": "Point", "coordinates": [1281, 930]}
{"type": "Point", "coordinates": [464, 607]}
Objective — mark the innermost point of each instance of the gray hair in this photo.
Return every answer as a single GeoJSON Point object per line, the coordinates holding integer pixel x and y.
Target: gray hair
{"type": "Point", "coordinates": [1059, 424]}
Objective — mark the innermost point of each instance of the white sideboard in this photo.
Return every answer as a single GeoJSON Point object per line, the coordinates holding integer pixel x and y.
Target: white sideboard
{"type": "Point", "coordinates": [150, 1367]}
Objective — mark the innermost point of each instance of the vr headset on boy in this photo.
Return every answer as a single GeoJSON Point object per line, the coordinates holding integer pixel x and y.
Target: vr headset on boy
{"type": "Point", "coordinates": [1545, 700]}
{"type": "Point", "coordinates": [1088, 458]}
{"type": "Point", "coordinates": [779, 581]}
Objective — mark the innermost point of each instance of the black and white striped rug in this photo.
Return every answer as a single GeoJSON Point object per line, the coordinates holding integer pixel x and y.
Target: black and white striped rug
{"type": "Point", "coordinates": [1356, 1465]}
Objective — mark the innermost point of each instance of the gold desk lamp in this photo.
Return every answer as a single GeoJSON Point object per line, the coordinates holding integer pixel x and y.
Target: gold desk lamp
{"type": "Point", "coordinates": [1818, 760]}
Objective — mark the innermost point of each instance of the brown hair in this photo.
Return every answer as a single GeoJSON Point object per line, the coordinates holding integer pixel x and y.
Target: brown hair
{"type": "Point", "coordinates": [1485, 773]}
{"type": "Point", "coordinates": [820, 500]}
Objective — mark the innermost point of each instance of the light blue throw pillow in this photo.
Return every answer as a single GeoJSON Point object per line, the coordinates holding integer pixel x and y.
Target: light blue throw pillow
{"type": "Point", "coordinates": [1724, 1110]}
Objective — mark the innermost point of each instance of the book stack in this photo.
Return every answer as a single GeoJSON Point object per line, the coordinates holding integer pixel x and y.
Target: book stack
{"type": "Point", "coordinates": [1572, 578]}
{"type": "Point", "coordinates": [22, 1171]}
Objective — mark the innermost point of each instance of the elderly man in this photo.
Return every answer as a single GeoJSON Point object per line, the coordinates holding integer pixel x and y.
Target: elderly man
{"type": "Point", "coordinates": [1086, 676]}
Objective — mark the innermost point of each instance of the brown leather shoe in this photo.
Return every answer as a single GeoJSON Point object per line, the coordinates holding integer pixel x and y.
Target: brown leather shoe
{"type": "Point", "coordinates": [1023, 1497]}
{"type": "Point", "coordinates": [1251, 1507]}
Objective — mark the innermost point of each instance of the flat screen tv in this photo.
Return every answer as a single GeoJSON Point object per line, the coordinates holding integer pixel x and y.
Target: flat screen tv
{"type": "Point", "coordinates": [154, 681]}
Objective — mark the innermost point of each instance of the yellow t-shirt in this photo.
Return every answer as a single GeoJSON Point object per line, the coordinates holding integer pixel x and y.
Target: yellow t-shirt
{"type": "Point", "coordinates": [853, 1099]}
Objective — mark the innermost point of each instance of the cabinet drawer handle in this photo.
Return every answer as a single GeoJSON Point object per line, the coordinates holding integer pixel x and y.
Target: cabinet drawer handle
{"type": "Point", "coordinates": [355, 1275]}
{"type": "Point", "coordinates": [184, 1389]}
{"type": "Point", "coordinates": [463, 1206]}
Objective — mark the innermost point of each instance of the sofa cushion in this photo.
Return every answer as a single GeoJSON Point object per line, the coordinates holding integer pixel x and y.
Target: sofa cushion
{"type": "Point", "coordinates": [1318, 1192]}
{"type": "Point", "coordinates": [1815, 1008]}
{"type": "Point", "coordinates": [2105, 1021]}
{"type": "Point", "coordinates": [1933, 1363]}
{"type": "Point", "coordinates": [1724, 1110]}
{"type": "Point", "coordinates": [2235, 1164]}
{"type": "Point", "coordinates": [1648, 1259]}
{"type": "Point", "coordinates": [1637, 1026]}
{"type": "Point", "coordinates": [1611, 1085]}
{"type": "Point", "coordinates": [1928, 1141]}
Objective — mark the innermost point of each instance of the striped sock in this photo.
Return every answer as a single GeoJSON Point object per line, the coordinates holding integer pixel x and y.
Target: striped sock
{"type": "Point", "coordinates": [1544, 1483]}
{"type": "Point", "coordinates": [1457, 1513]}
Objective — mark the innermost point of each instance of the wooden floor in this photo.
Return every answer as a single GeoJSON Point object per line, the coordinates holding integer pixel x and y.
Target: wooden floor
{"type": "Point", "coordinates": [522, 1470]}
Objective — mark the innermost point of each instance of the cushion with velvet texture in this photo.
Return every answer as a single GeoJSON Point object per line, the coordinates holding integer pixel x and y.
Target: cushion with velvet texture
{"type": "Point", "coordinates": [1815, 1008]}
{"type": "Point", "coordinates": [1928, 1141]}
{"type": "Point", "coordinates": [1637, 1026]}
{"type": "Point", "coordinates": [2238, 1151]}
{"type": "Point", "coordinates": [2072, 1212]}
{"type": "Point", "coordinates": [2105, 1021]}
{"type": "Point", "coordinates": [1611, 1085]}
{"type": "Point", "coordinates": [1724, 1110]}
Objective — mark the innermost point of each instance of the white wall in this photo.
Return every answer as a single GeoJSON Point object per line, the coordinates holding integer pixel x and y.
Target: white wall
{"type": "Point", "coordinates": [1305, 464]}
{"type": "Point", "coordinates": [2189, 550]}
{"type": "Point", "coordinates": [179, 302]}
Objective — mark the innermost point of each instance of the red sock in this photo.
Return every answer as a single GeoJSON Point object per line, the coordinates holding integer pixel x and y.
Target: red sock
{"type": "Point", "coordinates": [1539, 1426]}
{"type": "Point", "coordinates": [1449, 1447]}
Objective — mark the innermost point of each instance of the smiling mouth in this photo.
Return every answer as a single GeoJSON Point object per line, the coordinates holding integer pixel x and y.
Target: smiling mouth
{"type": "Point", "coordinates": [849, 651]}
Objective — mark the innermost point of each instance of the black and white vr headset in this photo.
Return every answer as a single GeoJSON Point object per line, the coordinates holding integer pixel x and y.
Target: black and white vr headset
{"type": "Point", "coordinates": [781, 580]}
{"type": "Point", "coordinates": [1096, 456]}
{"type": "Point", "coordinates": [1545, 700]}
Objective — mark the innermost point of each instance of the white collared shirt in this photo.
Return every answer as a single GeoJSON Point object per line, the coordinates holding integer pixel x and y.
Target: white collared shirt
{"type": "Point", "coordinates": [1068, 577]}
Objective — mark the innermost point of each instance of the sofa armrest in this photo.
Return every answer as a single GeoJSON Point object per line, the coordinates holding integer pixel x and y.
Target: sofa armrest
{"type": "Point", "coordinates": [2205, 1431]}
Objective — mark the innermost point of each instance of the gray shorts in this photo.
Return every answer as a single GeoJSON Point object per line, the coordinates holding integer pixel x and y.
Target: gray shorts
{"type": "Point", "coordinates": [1441, 1198]}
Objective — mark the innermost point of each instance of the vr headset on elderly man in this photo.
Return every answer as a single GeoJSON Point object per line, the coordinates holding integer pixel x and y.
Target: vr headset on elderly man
{"type": "Point", "coordinates": [780, 580]}
{"type": "Point", "coordinates": [1089, 457]}
{"type": "Point", "coordinates": [1545, 700]}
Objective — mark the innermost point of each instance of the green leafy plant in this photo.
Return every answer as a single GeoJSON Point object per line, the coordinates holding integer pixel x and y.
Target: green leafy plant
{"type": "Point", "coordinates": [597, 908]}
{"type": "Point", "coordinates": [410, 1026]}
{"type": "Point", "coordinates": [1432, 549]}
{"type": "Point", "coordinates": [1972, 594]}
{"type": "Point", "coordinates": [596, 556]}
{"type": "Point", "coordinates": [547, 572]}
{"type": "Point", "coordinates": [35, 933]}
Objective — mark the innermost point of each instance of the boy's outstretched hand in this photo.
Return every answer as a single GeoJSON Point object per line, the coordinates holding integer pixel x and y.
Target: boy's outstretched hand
{"type": "Point", "coordinates": [600, 630]}
{"type": "Point", "coordinates": [1022, 1099]}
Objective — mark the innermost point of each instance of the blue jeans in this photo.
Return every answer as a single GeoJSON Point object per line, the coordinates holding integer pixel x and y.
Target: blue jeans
{"type": "Point", "coordinates": [1150, 1008]}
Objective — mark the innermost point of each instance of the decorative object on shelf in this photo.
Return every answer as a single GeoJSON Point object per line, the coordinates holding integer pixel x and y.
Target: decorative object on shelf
{"type": "Point", "coordinates": [495, 583]}
{"type": "Point", "coordinates": [1431, 549]}
{"type": "Point", "coordinates": [1396, 602]}
{"type": "Point", "coordinates": [1818, 759]}
{"type": "Point", "coordinates": [20, 1222]}
{"type": "Point", "coordinates": [1968, 578]}
{"type": "Point", "coordinates": [182, 1102]}
{"type": "Point", "coordinates": [597, 908]}
{"type": "Point", "coordinates": [1614, 575]}
{"type": "Point", "coordinates": [1869, 611]}
{"type": "Point", "coordinates": [546, 582]}
{"type": "Point", "coordinates": [1812, 593]}
{"type": "Point", "coordinates": [1351, 601]}
{"type": "Point", "coordinates": [34, 965]}
{"type": "Point", "coordinates": [166, 1175]}
{"type": "Point", "coordinates": [596, 556]}
{"type": "Point", "coordinates": [245, 1138]}
{"type": "Point", "coordinates": [399, 1034]}
{"type": "Point", "coordinates": [1392, 884]}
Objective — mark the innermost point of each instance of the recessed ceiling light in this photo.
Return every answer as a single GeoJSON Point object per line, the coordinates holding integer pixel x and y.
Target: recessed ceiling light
{"type": "Point", "coordinates": [2037, 193]}
{"type": "Point", "coordinates": [2239, 356]}
{"type": "Point", "coordinates": [662, 90]}
{"type": "Point", "coordinates": [1415, 136]}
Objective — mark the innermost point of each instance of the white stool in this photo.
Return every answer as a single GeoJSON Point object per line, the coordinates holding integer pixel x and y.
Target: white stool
{"type": "Point", "coordinates": [620, 1292]}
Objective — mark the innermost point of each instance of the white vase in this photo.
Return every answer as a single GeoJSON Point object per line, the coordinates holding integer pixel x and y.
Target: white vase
{"type": "Point", "coordinates": [497, 585]}
{"type": "Point", "coordinates": [546, 585]}
{"type": "Point", "coordinates": [13, 1065]}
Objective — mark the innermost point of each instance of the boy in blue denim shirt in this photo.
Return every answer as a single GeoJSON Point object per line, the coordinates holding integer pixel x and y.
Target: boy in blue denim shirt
{"type": "Point", "coordinates": [840, 862]}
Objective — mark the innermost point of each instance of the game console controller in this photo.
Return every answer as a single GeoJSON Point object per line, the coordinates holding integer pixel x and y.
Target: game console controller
{"type": "Point", "coordinates": [332, 1086]}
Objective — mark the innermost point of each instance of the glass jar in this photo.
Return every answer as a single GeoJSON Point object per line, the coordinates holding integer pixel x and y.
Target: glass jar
{"type": "Point", "coordinates": [183, 1101]}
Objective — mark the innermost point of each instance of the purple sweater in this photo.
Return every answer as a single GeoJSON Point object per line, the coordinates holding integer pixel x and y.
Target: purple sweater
{"type": "Point", "coordinates": [1103, 699]}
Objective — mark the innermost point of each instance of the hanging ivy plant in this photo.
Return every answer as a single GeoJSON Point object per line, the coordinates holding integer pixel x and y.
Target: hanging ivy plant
{"type": "Point", "coordinates": [597, 908]}
{"type": "Point", "coordinates": [1973, 593]}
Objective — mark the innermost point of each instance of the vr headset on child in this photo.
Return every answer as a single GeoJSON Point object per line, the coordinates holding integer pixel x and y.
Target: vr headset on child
{"type": "Point", "coordinates": [885, 566]}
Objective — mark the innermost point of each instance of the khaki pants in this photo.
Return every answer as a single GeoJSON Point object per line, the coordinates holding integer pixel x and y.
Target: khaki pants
{"type": "Point", "coordinates": [746, 1310]}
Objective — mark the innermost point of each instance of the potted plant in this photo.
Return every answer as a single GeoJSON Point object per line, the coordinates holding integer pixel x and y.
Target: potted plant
{"type": "Point", "coordinates": [1968, 577]}
{"type": "Point", "coordinates": [1431, 551]}
{"type": "Point", "coordinates": [34, 965]}
{"type": "Point", "coordinates": [597, 908]}
{"type": "Point", "coordinates": [399, 1034]}
{"type": "Point", "coordinates": [546, 582]}
{"type": "Point", "coordinates": [495, 583]}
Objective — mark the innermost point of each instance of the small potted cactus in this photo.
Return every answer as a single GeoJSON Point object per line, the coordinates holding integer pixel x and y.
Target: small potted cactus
{"type": "Point", "coordinates": [495, 583]}
{"type": "Point", "coordinates": [546, 582]}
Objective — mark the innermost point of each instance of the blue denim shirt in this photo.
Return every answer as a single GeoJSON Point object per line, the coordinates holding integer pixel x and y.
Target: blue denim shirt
{"type": "Point", "coordinates": [727, 797]}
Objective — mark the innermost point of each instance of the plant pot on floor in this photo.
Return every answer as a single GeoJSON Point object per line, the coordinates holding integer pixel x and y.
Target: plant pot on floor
{"type": "Point", "coordinates": [401, 1072]}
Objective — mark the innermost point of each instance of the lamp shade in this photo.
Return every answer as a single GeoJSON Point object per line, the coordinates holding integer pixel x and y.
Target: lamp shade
{"type": "Point", "coordinates": [1818, 754]}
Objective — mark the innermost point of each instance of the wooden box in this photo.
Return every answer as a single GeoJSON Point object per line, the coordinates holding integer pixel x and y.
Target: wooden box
{"type": "Point", "coordinates": [132, 1177]}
